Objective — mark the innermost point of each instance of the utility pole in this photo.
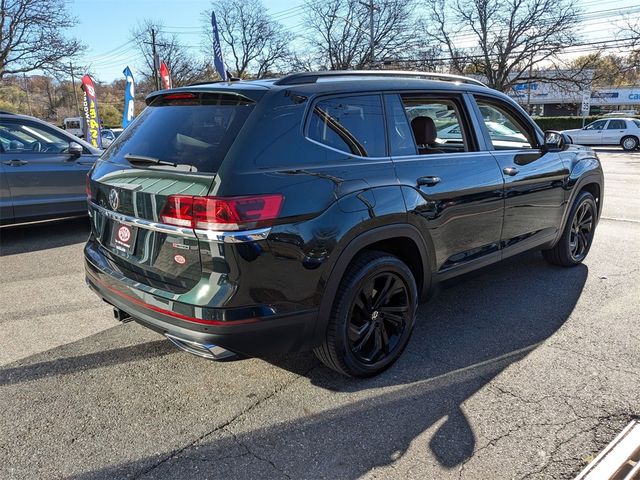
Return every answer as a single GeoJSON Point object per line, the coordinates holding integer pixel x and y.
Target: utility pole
{"type": "Point", "coordinates": [75, 92]}
{"type": "Point", "coordinates": [156, 78]}
{"type": "Point", "coordinates": [26, 88]}
{"type": "Point", "coordinates": [529, 87]}
{"type": "Point", "coordinates": [155, 57]}
{"type": "Point", "coordinates": [371, 7]}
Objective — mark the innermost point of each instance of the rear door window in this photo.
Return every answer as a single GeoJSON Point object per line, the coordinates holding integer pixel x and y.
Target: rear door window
{"type": "Point", "coordinates": [616, 125]}
{"type": "Point", "coordinates": [193, 131]}
{"type": "Point", "coordinates": [435, 125]}
{"type": "Point", "coordinates": [351, 124]}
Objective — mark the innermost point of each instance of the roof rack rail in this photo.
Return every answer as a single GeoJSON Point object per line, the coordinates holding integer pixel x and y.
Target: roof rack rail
{"type": "Point", "coordinates": [312, 77]}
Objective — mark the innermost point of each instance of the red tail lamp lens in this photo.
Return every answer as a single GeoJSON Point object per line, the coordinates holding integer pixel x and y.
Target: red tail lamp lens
{"type": "Point", "coordinates": [221, 213]}
{"type": "Point", "coordinates": [179, 96]}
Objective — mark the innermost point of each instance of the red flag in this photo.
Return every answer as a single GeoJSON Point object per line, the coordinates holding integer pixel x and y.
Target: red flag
{"type": "Point", "coordinates": [164, 74]}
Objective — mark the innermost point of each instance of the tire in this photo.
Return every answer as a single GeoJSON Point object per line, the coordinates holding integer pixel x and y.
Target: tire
{"type": "Point", "coordinates": [355, 337]}
{"type": "Point", "coordinates": [577, 236]}
{"type": "Point", "coordinates": [629, 143]}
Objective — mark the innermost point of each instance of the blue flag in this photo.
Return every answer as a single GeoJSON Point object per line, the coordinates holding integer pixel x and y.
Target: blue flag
{"type": "Point", "coordinates": [217, 50]}
{"type": "Point", "coordinates": [129, 95]}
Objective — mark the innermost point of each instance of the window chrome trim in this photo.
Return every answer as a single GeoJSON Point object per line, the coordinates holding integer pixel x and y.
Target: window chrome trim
{"type": "Point", "coordinates": [241, 236]}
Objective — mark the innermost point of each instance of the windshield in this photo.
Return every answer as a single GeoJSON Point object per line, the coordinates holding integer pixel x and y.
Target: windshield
{"type": "Point", "coordinates": [195, 132]}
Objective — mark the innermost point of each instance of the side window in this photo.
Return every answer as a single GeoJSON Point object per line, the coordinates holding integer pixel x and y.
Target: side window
{"type": "Point", "coordinates": [436, 124]}
{"type": "Point", "coordinates": [597, 125]}
{"type": "Point", "coordinates": [353, 124]}
{"type": "Point", "coordinates": [616, 125]}
{"type": "Point", "coordinates": [401, 141]}
{"type": "Point", "coordinates": [506, 131]}
{"type": "Point", "coordinates": [27, 137]}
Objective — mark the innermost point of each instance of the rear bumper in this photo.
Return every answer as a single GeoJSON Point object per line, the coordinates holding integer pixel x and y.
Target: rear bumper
{"type": "Point", "coordinates": [238, 330]}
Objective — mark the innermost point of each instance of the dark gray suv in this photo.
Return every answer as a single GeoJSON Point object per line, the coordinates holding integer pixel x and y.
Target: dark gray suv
{"type": "Point", "coordinates": [43, 170]}
{"type": "Point", "coordinates": [317, 210]}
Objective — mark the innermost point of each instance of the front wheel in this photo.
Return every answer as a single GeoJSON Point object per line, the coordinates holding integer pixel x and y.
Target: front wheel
{"type": "Point", "coordinates": [372, 317]}
{"type": "Point", "coordinates": [629, 143]}
{"type": "Point", "coordinates": [576, 239]}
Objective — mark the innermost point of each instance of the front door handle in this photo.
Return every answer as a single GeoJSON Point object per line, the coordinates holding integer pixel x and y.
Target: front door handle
{"type": "Point", "coordinates": [511, 171]}
{"type": "Point", "coordinates": [16, 163]}
{"type": "Point", "coordinates": [428, 181]}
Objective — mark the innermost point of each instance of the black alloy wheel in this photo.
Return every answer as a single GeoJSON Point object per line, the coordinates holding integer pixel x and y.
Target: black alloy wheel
{"type": "Point", "coordinates": [378, 317]}
{"type": "Point", "coordinates": [372, 317]}
{"type": "Point", "coordinates": [577, 236]}
{"type": "Point", "coordinates": [581, 232]}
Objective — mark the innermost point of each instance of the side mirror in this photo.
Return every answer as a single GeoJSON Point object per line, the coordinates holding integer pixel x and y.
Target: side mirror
{"type": "Point", "coordinates": [75, 149]}
{"type": "Point", "coordinates": [555, 141]}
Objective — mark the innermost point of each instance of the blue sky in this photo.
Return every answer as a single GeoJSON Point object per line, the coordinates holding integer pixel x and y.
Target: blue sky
{"type": "Point", "coordinates": [107, 29]}
{"type": "Point", "coordinates": [105, 25]}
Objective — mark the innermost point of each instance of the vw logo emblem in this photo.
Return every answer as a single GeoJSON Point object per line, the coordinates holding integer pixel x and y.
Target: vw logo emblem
{"type": "Point", "coordinates": [114, 201]}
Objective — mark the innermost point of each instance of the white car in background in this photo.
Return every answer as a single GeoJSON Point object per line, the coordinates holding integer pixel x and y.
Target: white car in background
{"type": "Point", "coordinates": [497, 132]}
{"type": "Point", "coordinates": [608, 131]}
{"type": "Point", "coordinates": [109, 135]}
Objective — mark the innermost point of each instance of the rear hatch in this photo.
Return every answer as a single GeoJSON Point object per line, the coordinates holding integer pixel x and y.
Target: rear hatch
{"type": "Point", "coordinates": [173, 149]}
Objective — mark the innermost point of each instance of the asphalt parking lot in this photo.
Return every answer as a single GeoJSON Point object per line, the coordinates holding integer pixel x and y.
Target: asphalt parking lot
{"type": "Point", "coordinates": [522, 371]}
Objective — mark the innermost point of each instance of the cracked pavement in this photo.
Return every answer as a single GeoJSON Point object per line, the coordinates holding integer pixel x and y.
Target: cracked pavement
{"type": "Point", "coordinates": [522, 371]}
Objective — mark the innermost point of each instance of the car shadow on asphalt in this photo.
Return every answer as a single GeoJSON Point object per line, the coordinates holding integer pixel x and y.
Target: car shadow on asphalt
{"type": "Point", "coordinates": [465, 336]}
{"type": "Point", "coordinates": [71, 365]}
{"type": "Point", "coordinates": [42, 236]}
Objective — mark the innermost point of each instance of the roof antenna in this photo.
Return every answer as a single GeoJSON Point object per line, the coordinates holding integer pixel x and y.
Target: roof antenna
{"type": "Point", "coordinates": [231, 78]}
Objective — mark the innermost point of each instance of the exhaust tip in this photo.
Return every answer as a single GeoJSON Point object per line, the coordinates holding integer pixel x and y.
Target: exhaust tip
{"type": "Point", "coordinates": [208, 351]}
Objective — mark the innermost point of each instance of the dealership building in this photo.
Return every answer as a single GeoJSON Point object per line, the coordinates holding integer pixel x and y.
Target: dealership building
{"type": "Point", "coordinates": [550, 100]}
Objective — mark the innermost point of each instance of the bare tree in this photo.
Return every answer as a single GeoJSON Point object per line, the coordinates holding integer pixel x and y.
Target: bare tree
{"type": "Point", "coordinates": [252, 42]}
{"type": "Point", "coordinates": [341, 38]}
{"type": "Point", "coordinates": [183, 66]}
{"type": "Point", "coordinates": [511, 40]}
{"type": "Point", "coordinates": [31, 35]}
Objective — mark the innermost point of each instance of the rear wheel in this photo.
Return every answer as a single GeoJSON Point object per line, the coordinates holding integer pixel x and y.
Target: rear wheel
{"type": "Point", "coordinates": [629, 143]}
{"type": "Point", "coordinates": [576, 239]}
{"type": "Point", "coordinates": [372, 317]}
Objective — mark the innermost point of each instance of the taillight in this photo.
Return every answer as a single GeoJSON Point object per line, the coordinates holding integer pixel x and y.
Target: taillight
{"type": "Point", "coordinates": [221, 213]}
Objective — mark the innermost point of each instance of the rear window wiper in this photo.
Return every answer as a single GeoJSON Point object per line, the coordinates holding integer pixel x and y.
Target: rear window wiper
{"type": "Point", "coordinates": [144, 159]}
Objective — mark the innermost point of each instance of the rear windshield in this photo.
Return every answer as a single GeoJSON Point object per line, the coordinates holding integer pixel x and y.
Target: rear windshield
{"type": "Point", "coordinates": [193, 132]}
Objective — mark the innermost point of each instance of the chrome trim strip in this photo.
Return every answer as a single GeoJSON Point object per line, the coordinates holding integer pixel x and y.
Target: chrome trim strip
{"type": "Point", "coordinates": [234, 237]}
{"type": "Point", "coordinates": [146, 224]}
{"type": "Point", "coordinates": [211, 235]}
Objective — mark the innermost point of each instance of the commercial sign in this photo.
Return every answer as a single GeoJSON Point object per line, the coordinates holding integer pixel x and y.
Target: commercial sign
{"type": "Point", "coordinates": [586, 103]}
{"type": "Point", "coordinates": [91, 116]}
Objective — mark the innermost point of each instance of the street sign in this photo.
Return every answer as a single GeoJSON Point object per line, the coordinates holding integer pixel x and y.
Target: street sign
{"type": "Point", "coordinates": [586, 103]}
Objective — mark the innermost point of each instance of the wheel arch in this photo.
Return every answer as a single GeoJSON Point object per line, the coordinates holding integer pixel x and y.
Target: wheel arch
{"type": "Point", "coordinates": [402, 240]}
{"type": "Point", "coordinates": [592, 181]}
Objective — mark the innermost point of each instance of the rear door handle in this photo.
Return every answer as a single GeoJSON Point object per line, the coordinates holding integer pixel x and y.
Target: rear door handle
{"type": "Point", "coordinates": [16, 163]}
{"type": "Point", "coordinates": [511, 171]}
{"type": "Point", "coordinates": [428, 181]}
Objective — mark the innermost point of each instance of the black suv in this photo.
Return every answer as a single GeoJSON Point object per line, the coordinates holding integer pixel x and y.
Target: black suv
{"type": "Point", "coordinates": [317, 210]}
